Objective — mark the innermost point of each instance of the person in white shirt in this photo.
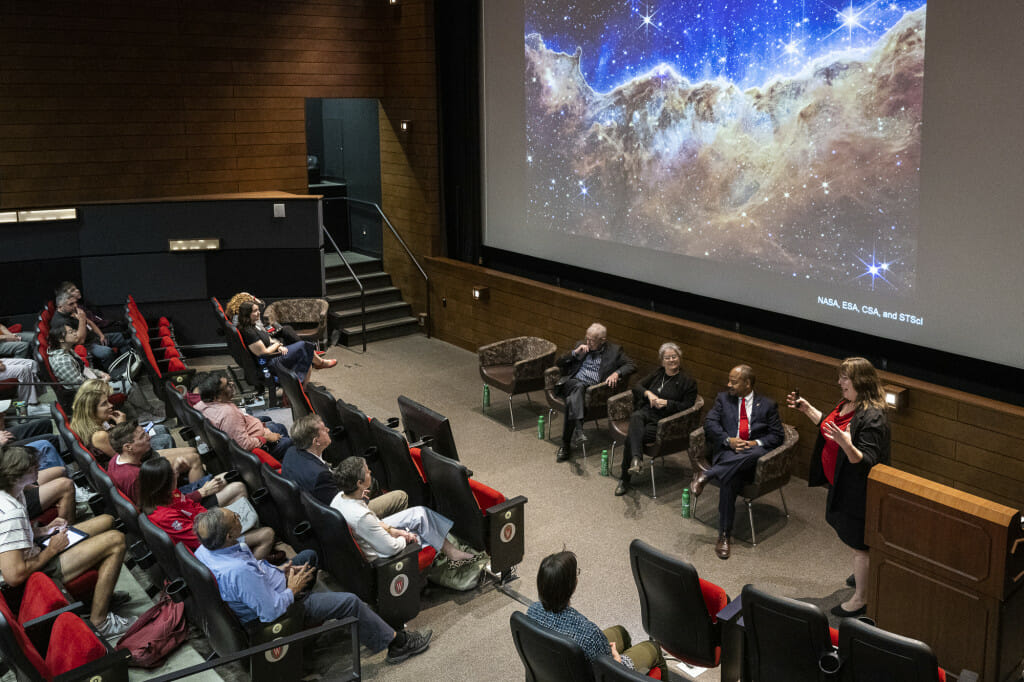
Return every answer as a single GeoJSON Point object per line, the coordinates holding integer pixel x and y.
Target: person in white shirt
{"type": "Point", "coordinates": [387, 537]}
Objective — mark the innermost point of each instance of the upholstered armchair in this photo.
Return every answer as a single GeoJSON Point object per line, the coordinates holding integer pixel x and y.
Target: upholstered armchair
{"type": "Point", "coordinates": [773, 470]}
{"type": "Point", "coordinates": [595, 399]}
{"type": "Point", "coordinates": [516, 366]}
{"type": "Point", "coordinates": [307, 316]}
{"type": "Point", "coordinates": [673, 431]}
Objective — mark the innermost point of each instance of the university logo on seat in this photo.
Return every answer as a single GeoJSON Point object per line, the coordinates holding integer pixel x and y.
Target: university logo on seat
{"type": "Point", "coordinates": [399, 584]}
{"type": "Point", "coordinates": [508, 531]}
{"type": "Point", "coordinates": [276, 654]}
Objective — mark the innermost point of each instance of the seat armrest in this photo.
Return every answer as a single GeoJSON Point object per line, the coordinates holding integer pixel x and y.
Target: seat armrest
{"type": "Point", "coordinates": [697, 448]}
{"type": "Point", "coordinates": [505, 535]}
{"type": "Point", "coordinates": [517, 501]}
{"type": "Point", "coordinates": [620, 406]}
{"type": "Point", "coordinates": [551, 377]}
{"type": "Point", "coordinates": [408, 553]}
{"type": "Point", "coordinates": [678, 426]}
{"type": "Point", "coordinates": [598, 394]}
{"type": "Point", "coordinates": [777, 463]}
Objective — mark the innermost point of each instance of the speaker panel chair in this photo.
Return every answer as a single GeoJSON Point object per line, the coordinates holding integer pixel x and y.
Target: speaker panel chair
{"type": "Point", "coordinates": [516, 366]}
{"type": "Point", "coordinates": [673, 433]}
{"type": "Point", "coordinates": [772, 472]}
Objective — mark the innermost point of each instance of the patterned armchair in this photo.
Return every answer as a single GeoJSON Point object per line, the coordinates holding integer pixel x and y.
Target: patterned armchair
{"type": "Point", "coordinates": [307, 316]}
{"type": "Point", "coordinates": [773, 470]}
{"type": "Point", "coordinates": [673, 431]}
{"type": "Point", "coordinates": [516, 366]}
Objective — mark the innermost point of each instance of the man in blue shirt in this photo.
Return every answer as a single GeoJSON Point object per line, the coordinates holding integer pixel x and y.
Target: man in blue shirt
{"type": "Point", "coordinates": [256, 590]}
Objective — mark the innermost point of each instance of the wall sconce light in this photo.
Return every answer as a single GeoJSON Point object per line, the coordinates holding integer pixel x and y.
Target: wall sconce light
{"type": "Point", "coordinates": [481, 294]}
{"type": "Point", "coordinates": [8, 216]}
{"type": "Point", "coordinates": [38, 215]}
{"type": "Point", "coordinates": [392, 2]}
{"type": "Point", "coordinates": [193, 244]}
{"type": "Point", "coordinates": [895, 396]}
{"type": "Point", "coordinates": [405, 126]}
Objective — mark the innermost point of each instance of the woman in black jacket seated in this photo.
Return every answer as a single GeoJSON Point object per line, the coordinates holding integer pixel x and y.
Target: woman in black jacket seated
{"type": "Point", "coordinates": [298, 357]}
{"type": "Point", "coordinates": [852, 438]}
{"type": "Point", "coordinates": [661, 394]}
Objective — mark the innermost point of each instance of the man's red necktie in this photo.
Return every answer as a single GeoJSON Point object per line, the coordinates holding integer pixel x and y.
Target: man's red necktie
{"type": "Point", "coordinates": [744, 422]}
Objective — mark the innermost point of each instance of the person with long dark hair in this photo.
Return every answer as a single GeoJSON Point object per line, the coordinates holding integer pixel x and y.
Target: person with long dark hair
{"type": "Point", "coordinates": [299, 357]}
{"type": "Point", "coordinates": [170, 510]}
{"type": "Point", "coordinates": [852, 438]}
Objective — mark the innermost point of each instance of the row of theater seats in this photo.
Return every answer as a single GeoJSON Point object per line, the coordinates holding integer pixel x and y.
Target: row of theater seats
{"type": "Point", "coordinates": [151, 341]}
{"type": "Point", "coordinates": [695, 621]}
{"type": "Point", "coordinates": [45, 634]}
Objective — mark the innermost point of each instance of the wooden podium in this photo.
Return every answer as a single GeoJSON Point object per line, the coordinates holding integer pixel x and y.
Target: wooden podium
{"type": "Point", "coordinates": [947, 568]}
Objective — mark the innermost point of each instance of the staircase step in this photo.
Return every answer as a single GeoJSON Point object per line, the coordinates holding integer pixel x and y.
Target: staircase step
{"type": "Point", "coordinates": [333, 266]}
{"type": "Point", "coordinates": [373, 297]}
{"type": "Point", "coordinates": [346, 317]}
{"type": "Point", "coordinates": [375, 331]}
{"type": "Point", "coordinates": [345, 284]}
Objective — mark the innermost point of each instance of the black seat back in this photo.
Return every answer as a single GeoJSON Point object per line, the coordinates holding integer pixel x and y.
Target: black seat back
{"type": "Point", "coordinates": [672, 607]}
{"type": "Point", "coordinates": [161, 545]}
{"type": "Point", "coordinates": [420, 421]}
{"type": "Point", "coordinates": [607, 669]}
{"type": "Point", "coordinates": [871, 654]}
{"type": "Point", "coordinates": [357, 428]}
{"type": "Point", "coordinates": [400, 470]}
{"type": "Point", "coordinates": [292, 386]}
{"type": "Point", "coordinates": [295, 529]}
{"type": "Point", "coordinates": [785, 638]}
{"type": "Point", "coordinates": [241, 354]}
{"type": "Point", "coordinates": [548, 656]}
{"type": "Point", "coordinates": [325, 405]}
{"type": "Point", "coordinates": [449, 484]}
{"type": "Point", "coordinates": [208, 610]}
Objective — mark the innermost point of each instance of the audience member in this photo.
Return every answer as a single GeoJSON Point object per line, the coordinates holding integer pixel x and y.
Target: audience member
{"type": "Point", "coordinates": [15, 344]}
{"type": "Point", "coordinates": [557, 579]}
{"type": "Point", "coordinates": [216, 394]}
{"type": "Point", "coordinates": [852, 438]}
{"type": "Point", "coordinates": [661, 394]}
{"type": "Point", "coordinates": [387, 537]}
{"type": "Point", "coordinates": [102, 347]}
{"type": "Point", "coordinates": [298, 357]}
{"type": "Point", "coordinates": [103, 550]}
{"type": "Point", "coordinates": [94, 317]}
{"type": "Point", "coordinates": [304, 463]}
{"type": "Point", "coordinates": [174, 512]}
{"type": "Point", "coordinates": [25, 372]}
{"type": "Point", "coordinates": [740, 428]}
{"type": "Point", "coordinates": [593, 361]}
{"type": "Point", "coordinates": [92, 416]}
{"type": "Point", "coordinates": [67, 367]}
{"type": "Point", "coordinates": [259, 592]}
{"type": "Point", "coordinates": [132, 445]}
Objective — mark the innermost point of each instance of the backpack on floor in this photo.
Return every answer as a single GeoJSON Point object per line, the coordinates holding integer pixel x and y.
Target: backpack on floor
{"type": "Point", "coordinates": [156, 634]}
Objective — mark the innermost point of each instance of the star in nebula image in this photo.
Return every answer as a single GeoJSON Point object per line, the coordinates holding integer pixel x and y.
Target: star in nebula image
{"type": "Point", "coordinates": [784, 134]}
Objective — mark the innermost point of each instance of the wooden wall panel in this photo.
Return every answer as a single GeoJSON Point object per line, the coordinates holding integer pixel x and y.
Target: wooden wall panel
{"type": "Point", "coordinates": [125, 99]}
{"type": "Point", "coordinates": [948, 436]}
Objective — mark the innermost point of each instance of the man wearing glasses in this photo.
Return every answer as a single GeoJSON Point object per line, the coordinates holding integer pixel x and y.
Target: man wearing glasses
{"type": "Point", "coordinates": [593, 361]}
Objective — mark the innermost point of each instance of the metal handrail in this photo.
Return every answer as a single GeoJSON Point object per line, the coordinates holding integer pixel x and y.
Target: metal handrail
{"type": "Point", "coordinates": [355, 277]}
{"type": "Point", "coordinates": [401, 241]}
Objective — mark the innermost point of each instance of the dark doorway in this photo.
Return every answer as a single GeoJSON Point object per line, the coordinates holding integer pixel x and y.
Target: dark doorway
{"type": "Point", "coordinates": [343, 154]}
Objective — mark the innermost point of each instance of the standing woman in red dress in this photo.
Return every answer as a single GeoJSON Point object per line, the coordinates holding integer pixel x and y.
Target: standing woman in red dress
{"type": "Point", "coordinates": [852, 438]}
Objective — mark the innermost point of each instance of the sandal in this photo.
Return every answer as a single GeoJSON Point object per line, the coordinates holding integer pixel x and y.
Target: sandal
{"type": "Point", "coordinates": [328, 364]}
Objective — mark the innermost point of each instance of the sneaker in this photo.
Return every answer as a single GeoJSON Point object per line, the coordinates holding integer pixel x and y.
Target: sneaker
{"type": "Point", "coordinates": [115, 626]}
{"type": "Point", "coordinates": [637, 465]}
{"type": "Point", "coordinates": [415, 643]}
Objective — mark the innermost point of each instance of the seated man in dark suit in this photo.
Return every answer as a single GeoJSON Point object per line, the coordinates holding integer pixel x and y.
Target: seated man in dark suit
{"type": "Point", "coordinates": [593, 361]}
{"type": "Point", "coordinates": [740, 428]}
{"type": "Point", "coordinates": [304, 464]}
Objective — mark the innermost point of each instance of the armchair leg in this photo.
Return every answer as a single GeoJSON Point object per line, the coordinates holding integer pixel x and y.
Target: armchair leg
{"type": "Point", "coordinates": [784, 507]}
{"type": "Point", "coordinates": [750, 515]}
{"type": "Point", "coordinates": [551, 415]}
{"type": "Point", "coordinates": [510, 414]}
{"type": "Point", "coordinates": [654, 488]}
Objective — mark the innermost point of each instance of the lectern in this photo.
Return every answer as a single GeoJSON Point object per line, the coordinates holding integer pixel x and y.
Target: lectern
{"type": "Point", "coordinates": [947, 568]}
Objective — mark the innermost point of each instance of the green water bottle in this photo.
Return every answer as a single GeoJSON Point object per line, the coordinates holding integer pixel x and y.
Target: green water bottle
{"type": "Point", "coordinates": [604, 462]}
{"type": "Point", "coordinates": [686, 503]}
{"type": "Point", "coordinates": [487, 396]}
{"type": "Point", "coordinates": [540, 427]}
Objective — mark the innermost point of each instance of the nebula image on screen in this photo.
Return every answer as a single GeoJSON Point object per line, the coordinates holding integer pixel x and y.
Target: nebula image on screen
{"type": "Point", "coordinates": [780, 134]}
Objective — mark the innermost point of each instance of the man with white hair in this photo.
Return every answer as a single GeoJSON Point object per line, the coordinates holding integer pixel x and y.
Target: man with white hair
{"type": "Point", "coordinates": [594, 360]}
{"type": "Point", "coordinates": [100, 345]}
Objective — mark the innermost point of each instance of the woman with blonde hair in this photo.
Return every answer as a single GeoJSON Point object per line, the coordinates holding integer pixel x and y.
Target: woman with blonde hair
{"type": "Point", "coordinates": [92, 416]}
{"type": "Point", "coordinates": [852, 438]}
